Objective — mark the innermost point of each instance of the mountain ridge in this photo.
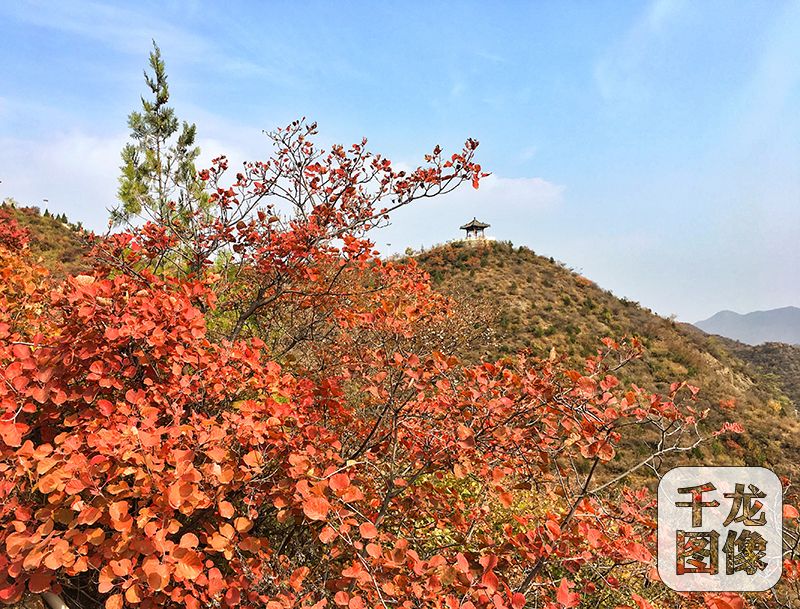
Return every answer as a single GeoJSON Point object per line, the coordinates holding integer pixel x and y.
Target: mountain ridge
{"type": "Point", "coordinates": [780, 325]}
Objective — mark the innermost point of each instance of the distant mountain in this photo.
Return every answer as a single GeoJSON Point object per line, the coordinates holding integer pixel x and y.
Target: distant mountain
{"type": "Point", "coordinates": [774, 326]}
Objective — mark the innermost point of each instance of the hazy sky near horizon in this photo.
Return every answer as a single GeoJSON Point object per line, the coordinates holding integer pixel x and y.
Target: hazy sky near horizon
{"type": "Point", "coordinates": [653, 146]}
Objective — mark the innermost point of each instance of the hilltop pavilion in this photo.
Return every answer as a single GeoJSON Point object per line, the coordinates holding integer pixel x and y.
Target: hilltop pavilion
{"type": "Point", "coordinates": [475, 228]}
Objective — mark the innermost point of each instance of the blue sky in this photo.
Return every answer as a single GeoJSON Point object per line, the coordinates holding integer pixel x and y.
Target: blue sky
{"type": "Point", "coordinates": [654, 146]}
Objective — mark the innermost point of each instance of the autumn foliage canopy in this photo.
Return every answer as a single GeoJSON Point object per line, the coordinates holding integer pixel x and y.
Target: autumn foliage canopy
{"type": "Point", "coordinates": [242, 405]}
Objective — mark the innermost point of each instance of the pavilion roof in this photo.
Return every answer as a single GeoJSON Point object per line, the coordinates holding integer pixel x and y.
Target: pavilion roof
{"type": "Point", "coordinates": [475, 223]}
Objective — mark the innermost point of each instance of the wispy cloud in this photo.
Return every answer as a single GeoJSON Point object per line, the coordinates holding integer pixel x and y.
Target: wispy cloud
{"type": "Point", "coordinates": [517, 194]}
{"type": "Point", "coordinates": [492, 57]}
{"type": "Point", "coordinates": [117, 27]}
{"type": "Point", "coordinates": [131, 31]}
{"type": "Point", "coordinates": [527, 153]}
{"type": "Point", "coordinates": [618, 73]}
{"type": "Point", "coordinates": [764, 100]}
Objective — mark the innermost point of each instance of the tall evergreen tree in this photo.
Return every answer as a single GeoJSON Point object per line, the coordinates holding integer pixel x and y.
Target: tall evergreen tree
{"type": "Point", "coordinates": [159, 179]}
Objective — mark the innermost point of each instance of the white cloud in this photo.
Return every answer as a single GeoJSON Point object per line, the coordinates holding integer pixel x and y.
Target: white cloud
{"type": "Point", "coordinates": [508, 204]}
{"type": "Point", "coordinates": [518, 193]}
{"type": "Point", "coordinates": [76, 173]}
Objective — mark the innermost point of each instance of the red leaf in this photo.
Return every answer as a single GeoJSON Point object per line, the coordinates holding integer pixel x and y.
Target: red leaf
{"type": "Point", "coordinates": [725, 600]}
{"type": "Point", "coordinates": [40, 582]}
{"type": "Point", "coordinates": [327, 535]}
{"type": "Point", "coordinates": [356, 603]}
{"type": "Point", "coordinates": [491, 582]}
{"type": "Point", "coordinates": [11, 593]}
{"type": "Point", "coordinates": [641, 603]}
{"type": "Point", "coordinates": [565, 597]}
{"type": "Point", "coordinates": [10, 433]}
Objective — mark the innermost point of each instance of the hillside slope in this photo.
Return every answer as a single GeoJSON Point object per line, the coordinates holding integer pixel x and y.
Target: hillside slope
{"type": "Point", "coordinates": [776, 325]}
{"type": "Point", "coordinates": [778, 363]}
{"type": "Point", "coordinates": [58, 243]}
{"type": "Point", "coordinates": [540, 304]}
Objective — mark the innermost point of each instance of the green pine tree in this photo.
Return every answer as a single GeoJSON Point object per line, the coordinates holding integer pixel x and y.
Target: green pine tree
{"type": "Point", "coordinates": [159, 179]}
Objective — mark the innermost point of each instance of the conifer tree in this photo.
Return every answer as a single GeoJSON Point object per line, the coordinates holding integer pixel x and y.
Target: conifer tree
{"type": "Point", "coordinates": [159, 179]}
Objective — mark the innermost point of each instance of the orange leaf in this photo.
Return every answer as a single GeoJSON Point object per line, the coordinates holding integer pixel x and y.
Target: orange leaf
{"type": "Point", "coordinates": [189, 566]}
{"type": "Point", "coordinates": [118, 510]}
{"type": "Point", "coordinates": [641, 603]}
{"type": "Point", "coordinates": [297, 577]}
{"type": "Point", "coordinates": [725, 600]}
{"type": "Point", "coordinates": [132, 595]}
{"type": "Point", "coordinates": [114, 601]}
{"type": "Point", "coordinates": [339, 482]}
{"type": "Point", "coordinates": [157, 574]}
{"type": "Point", "coordinates": [316, 508]}
{"type": "Point", "coordinates": [368, 530]}
{"type": "Point", "coordinates": [356, 603]}
{"type": "Point", "coordinates": [215, 582]}
{"type": "Point", "coordinates": [506, 498]}
{"type": "Point", "coordinates": [327, 535]}
{"type": "Point", "coordinates": [225, 509]}
{"type": "Point", "coordinates": [189, 541]}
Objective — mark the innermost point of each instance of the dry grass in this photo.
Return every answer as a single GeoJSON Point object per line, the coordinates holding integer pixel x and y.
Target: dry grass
{"type": "Point", "coordinates": [58, 243]}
